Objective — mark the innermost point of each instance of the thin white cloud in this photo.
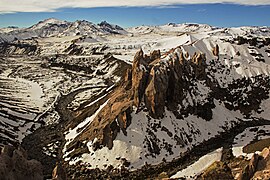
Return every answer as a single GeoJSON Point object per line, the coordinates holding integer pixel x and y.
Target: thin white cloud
{"type": "Point", "coordinates": [7, 6]}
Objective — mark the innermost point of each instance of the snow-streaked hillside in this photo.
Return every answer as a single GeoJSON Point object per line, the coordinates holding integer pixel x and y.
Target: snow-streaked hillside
{"type": "Point", "coordinates": [31, 89]}
{"type": "Point", "coordinates": [150, 140]}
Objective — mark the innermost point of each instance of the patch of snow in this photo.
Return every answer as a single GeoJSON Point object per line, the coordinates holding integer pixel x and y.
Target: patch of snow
{"type": "Point", "coordinates": [73, 133]}
{"type": "Point", "coordinates": [199, 166]}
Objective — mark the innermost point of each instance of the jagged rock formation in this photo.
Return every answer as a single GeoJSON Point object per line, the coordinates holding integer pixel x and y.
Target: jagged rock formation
{"type": "Point", "coordinates": [139, 77]}
{"type": "Point", "coordinates": [263, 165]}
{"type": "Point", "coordinates": [155, 85]}
{"type": "Point", "coordinates": [257, 167]}
{"type": "Point", "coordinates": [152, 83]}
{"type": "Point", "coordinates": [14, 165]}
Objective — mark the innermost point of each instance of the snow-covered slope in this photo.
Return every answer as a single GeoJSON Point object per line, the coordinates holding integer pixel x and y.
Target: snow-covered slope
{"type": "Point", "coordinates": [191, 94]}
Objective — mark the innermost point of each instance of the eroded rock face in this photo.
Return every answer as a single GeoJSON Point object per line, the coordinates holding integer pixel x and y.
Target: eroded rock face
{"type": "Point", "coordinates": [139, 77]}
{"type": "Point", "coordinates": [152, 83]}
{"type": "Point", "coordinates": [250, 169]}
{"type": "Point", "coordinates": [156, 91]}
{"type": "Point", "coordinates": [162, 82]}
{"type": "Point", "coordinates": [199, 65]}
{"type": "Point", "coordinates": [258, 167]}
{"type": "Point", "coordinates": [113, 117]}
{"type": "Point", "coordinates": [14, 165]}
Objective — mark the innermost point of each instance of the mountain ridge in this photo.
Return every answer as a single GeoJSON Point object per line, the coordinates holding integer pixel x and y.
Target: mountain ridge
{"type": "Point", "coordinates": [54, 27]}
{"type": "Point", "coordinates": [89, 28]}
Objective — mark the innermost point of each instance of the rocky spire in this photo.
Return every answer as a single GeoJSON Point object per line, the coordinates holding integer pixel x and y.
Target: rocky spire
{"type": "Point", "coordinates": [139, 76]}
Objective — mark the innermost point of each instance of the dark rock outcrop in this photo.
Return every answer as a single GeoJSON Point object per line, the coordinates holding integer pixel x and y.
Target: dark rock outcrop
{"type": "Point", "coordinates": [14, 165]}
{"type": "Point", "coordinates": [74, 49]}
{"type": "Point", "coordinates": [263, 166]}
{"type": "Point", "coordinates": [258, 167]}
{"type": "Point", "coordinates": [156, 91]}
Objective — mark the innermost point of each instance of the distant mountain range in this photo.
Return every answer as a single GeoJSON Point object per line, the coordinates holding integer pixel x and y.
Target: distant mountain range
{"type": "Point", "coordinates": [53, 27]}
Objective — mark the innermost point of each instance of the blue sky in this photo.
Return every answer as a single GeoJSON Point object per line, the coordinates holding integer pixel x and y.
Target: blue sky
{"type": "Point", "coordinates": [220, 14]}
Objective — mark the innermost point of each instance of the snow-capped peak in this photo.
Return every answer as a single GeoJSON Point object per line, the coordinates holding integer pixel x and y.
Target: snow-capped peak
{"type": "Point", "coordinates": [48, 22]}
{"type": "Point", "coordinates": [55, 27]}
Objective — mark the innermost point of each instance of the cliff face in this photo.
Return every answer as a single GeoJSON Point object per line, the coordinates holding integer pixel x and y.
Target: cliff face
{"type": "Point", "coordinates": [156, 84]}
{"type": "Point", "coordinates": [161, 82]}
{"type": "Point", "coordinates": [153, 83]}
